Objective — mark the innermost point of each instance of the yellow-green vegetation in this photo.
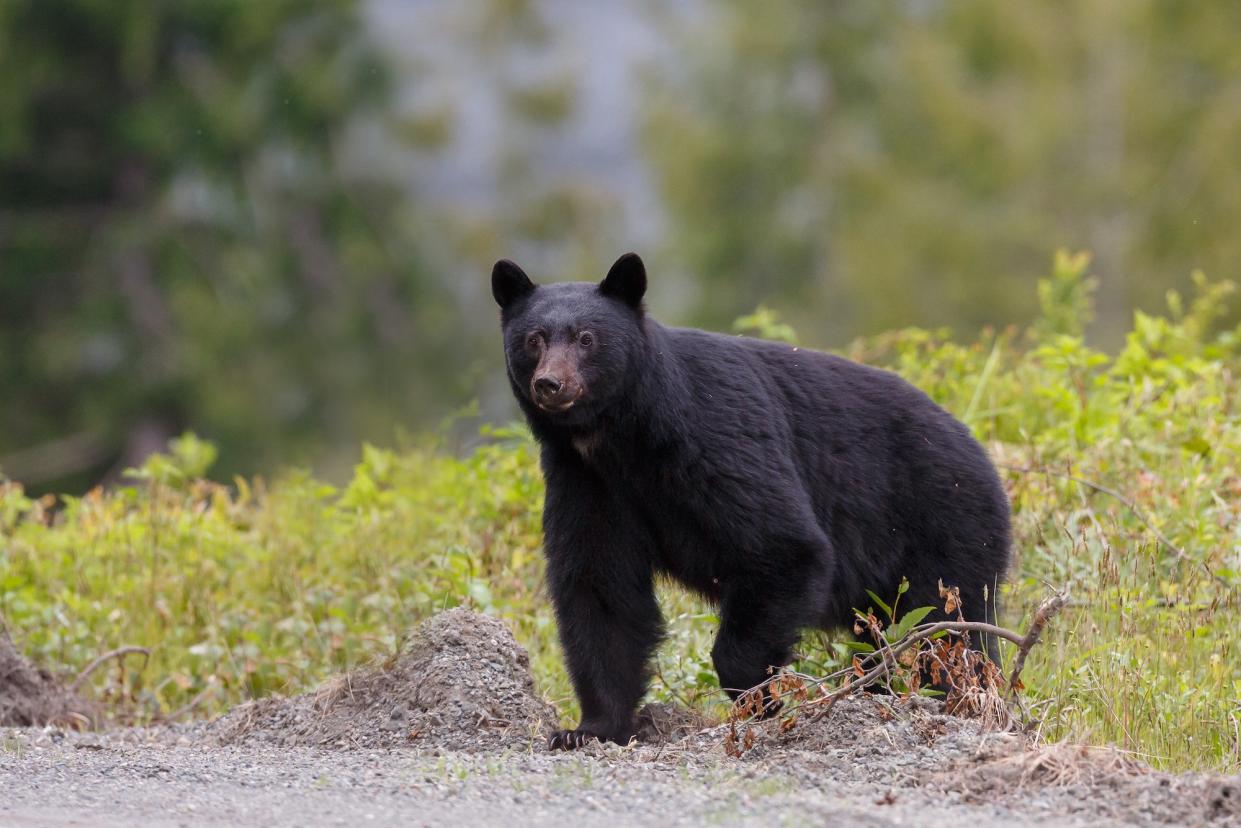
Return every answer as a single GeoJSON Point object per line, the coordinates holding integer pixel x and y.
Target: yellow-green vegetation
{"type": "Point", "coordinates": [1122, 469]}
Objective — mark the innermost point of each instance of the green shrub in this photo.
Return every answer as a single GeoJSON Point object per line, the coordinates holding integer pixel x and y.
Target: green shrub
{"type": "Point", "coordinates": [1122, 470]}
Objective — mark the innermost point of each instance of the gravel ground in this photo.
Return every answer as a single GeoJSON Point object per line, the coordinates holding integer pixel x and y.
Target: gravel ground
{"type": "Point", "coordinates": [449, 732]}
{"type": "Point", "coordinates": [145, 778]}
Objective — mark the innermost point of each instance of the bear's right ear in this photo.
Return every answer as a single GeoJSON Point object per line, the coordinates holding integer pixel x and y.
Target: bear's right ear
{"type": "Point", "coordinates": [509, 283]}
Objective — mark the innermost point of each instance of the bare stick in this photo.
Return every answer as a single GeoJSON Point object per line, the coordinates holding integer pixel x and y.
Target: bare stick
{"type": "Point", "coordinates": [119, 652]}
{"type": "Point", "coordinates": [1045, 612]}
{"type": "Point", "coordinates": [209, 690]}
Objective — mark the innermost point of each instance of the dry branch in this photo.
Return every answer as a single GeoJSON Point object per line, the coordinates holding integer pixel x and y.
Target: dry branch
{"type": "Point", "coordinates": [118, 653]}
{"type": "Point", "coordinates": [879, 664]}
{"type": "Point", "coordinates": [1045, 612]}
{"type": "Point", "coordinates": [206, 692]}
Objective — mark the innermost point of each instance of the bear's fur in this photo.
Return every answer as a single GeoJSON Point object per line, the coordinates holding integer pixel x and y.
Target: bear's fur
{"type": "Point", "coordinates": [778, 482]}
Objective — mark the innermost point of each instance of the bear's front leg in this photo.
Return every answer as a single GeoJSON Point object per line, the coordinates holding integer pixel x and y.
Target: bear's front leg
{"type": "Point", "coordinates": [600, 578]}
{"type": "Point", "coordinates": [609, 625]}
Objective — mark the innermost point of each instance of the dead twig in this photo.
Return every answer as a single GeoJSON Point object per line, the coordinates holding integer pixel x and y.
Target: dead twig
{"type": "Point", "coordinates": [973, 682]}
{"type": "Point", "coordinates": [1045, 612]}
{"type": "Point", "coordinates": [917, 635]}
{"type": "Point", "coordinates": [118, 653]}
{"type": "Point", "coordinates": [206, 692]}
{"type": "Point", "coordinates": [878, 664]}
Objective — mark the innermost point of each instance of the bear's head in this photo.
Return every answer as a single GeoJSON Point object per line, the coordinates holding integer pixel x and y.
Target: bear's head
{"type": "Point", "coordinates": [571, 348]}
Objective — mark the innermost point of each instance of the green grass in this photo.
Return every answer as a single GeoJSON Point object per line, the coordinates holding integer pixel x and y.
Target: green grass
{"type": "Point", "coordinates": [252, 588]}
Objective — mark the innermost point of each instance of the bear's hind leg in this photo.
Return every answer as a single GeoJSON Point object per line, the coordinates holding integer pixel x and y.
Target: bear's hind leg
{"type": "Point", "coordinates": [760, 622]}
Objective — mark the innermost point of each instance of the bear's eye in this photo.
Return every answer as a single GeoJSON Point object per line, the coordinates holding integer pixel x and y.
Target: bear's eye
{"type": "Point", "coordinates": [586, 338]}
{"type": "Point", "coordinates": [534, 341]}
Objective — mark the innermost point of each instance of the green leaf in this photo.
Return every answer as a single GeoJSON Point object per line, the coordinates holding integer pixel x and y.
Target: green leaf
{"type": "Point", "coordinates": [858, 646]}
{"type": "Point", "coordinates": [882, 605]}
{"type": "Point", "coordinates": [908, 621]}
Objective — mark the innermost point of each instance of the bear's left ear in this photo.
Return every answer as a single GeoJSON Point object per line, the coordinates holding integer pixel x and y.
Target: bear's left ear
{"type": "Point", "coordinates": [626, 280]}
{"type": "Point", "coordinates": [509, 283]}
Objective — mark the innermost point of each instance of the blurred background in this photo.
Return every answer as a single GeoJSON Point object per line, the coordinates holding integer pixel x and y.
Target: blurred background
{"type": "Point", "coordinates": [273, 222]}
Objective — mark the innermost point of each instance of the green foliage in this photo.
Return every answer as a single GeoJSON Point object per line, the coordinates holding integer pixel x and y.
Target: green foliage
{"type": "Point", "coordinates": [1066, 300]}
{"type": "Point", "coordinates": [256, 588]}
{"type": "Point", "coordinates": [765, 323]}
{"type": "Point", "coordinates": [908, 621]}
{"type": "Point", "coordinates": [1150, 659]}
{"type": "Point", "coordinates": [883, 631]}
{"type": "Point", "coordinates": [188, 459]}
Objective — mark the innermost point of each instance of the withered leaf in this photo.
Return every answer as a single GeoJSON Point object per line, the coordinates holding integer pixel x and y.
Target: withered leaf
{"type": "Point", "coordinates": [951, 596]}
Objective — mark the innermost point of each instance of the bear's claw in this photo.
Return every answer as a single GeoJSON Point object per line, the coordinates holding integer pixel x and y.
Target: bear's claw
{"type": "Point", "coordinates": [570, 739]}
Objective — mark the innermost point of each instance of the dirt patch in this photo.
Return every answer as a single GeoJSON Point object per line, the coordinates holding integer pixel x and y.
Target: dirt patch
{"type": "Point", "coordinates": [917, 746]}
{"type": "Point", "coordinates": [869, 725]}
{"type": "Point", "coordinates": [1102, 782]}
{"type": "Point", "coordinates": [460, 682]}
{"type": "Point", "coordinates": [662, 724]}
{"type": "Point", "coordinates": [31, 696]}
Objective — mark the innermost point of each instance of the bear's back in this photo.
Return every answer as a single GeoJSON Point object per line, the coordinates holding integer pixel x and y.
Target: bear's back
{"type": "Point", "coordinates": [886, 470]}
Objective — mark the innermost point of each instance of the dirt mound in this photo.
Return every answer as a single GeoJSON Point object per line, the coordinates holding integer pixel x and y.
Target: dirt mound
{"type": "Point", "coordinates": [460, 682]}
{"type": "Point", "coordinates": [30, 696]}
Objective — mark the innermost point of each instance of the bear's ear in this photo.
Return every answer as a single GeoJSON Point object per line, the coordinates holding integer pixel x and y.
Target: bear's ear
{"type": "Point", "coordinates": [509, 283]}
{"type": "Point", "coordinates": [626, 280]}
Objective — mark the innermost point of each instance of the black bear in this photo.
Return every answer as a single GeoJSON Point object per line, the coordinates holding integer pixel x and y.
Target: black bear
{"type": "Point", "coordinates": [778, 482]}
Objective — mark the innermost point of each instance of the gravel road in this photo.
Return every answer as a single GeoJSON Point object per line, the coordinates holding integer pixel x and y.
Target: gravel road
{"type": "Point", "coordinates": [151, 778]}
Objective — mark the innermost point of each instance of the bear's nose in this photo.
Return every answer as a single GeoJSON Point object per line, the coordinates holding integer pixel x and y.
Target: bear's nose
{"type": "Point", "coordinates": [547, 386]}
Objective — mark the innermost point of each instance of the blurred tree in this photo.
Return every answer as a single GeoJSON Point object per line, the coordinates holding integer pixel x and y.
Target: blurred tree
{"type": "Point", "coordinates": [537, 199]}
{"type": "Point", "coordinates": [190, 238]}
{"type": "Point", "coordinates": [554, 218]}
{"type": "Point", "coordinates": [882, 164]}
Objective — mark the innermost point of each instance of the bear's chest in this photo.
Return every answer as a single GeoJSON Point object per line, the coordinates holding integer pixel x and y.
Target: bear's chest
{"type": "Point", "coordinates": [692, 523]}
{"type": "Point", "coordinates": [587, 444]}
